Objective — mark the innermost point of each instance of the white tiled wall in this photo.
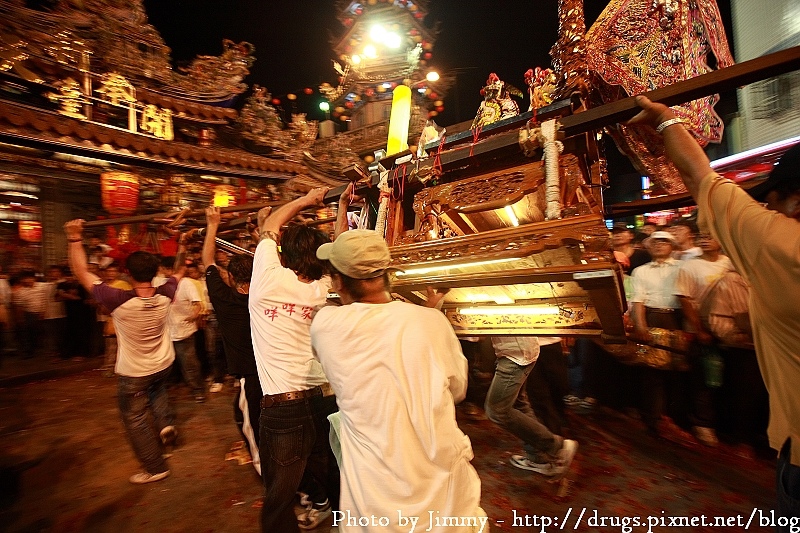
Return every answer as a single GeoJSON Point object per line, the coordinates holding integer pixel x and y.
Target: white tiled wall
{"type": "Point", "coordinates": [759, 27]}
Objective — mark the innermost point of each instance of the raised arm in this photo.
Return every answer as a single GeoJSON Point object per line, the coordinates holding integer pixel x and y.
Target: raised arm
{"type": "Point", "coordinates": [209, 244]}
{"type": "Point", "coordinates": [179, 267]}
{"type": "Point", "coordinates": [77, 255]}
{"type": "Point", "coordinates": [681, 148]}
{"type": "Point", "coordinates": [271, 225]}
{"type": "Point", "coordinates": [345, 199]}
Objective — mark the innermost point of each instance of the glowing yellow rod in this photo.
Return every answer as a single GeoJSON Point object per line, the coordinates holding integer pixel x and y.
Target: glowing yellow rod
{"type": "Point", "coordinates": [398, 120]}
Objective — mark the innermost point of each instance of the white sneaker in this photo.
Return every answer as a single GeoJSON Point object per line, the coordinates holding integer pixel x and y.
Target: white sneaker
{"type": "Point", "coordinates": [141, 478]}
{"type": "Point", "coordinates": [558, 467]}
{"type": "Point", "coordinates": [706, 435]}
{"type": "Point", "coordinates": [546, 469]}
{"type": "Point", "coordinates": [566, 454]}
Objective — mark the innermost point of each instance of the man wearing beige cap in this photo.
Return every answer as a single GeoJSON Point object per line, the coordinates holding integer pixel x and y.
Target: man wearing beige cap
{"type": "Point", "coordinates": [397, 370]}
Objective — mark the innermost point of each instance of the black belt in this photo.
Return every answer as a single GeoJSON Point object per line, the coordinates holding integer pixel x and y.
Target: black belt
{"type": "Point", "coordinates": [272, 399]}
{"type": "Point", "coordinates": [659, 310]}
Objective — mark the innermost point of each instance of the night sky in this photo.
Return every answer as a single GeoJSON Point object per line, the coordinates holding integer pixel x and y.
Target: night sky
{"type": "Point", "coordinates": [293, 41]}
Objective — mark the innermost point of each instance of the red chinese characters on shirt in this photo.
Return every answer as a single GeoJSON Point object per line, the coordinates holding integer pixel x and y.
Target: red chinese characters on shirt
{"type": "Point", "coordinates": [306, 312]}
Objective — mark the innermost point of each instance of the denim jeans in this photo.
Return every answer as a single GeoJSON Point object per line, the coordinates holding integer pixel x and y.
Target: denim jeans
{"type": "Point", "coordinates": [788, 481]}
{"type": "Point", "coordinates": [136, 396]}
{"type": "Point", "coordinates": [186, 354]}
{"type": "Point", "coordinates": [295, 450]}
{"type": "Point", "coordinates": [509, 377]}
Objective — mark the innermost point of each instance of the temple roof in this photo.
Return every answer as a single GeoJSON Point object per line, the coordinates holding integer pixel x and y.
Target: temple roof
{"type": "Point", "coordinates": [29, 125]}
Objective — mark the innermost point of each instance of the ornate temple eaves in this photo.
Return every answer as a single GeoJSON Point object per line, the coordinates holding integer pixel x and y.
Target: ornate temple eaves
{"type": "Point", "coordinates": [29, 126]}
{"type": "Point", "coordinates": [188, 109]}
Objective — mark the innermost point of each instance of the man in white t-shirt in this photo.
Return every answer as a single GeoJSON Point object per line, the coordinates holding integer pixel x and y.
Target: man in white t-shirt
{"type": "Point", "coordinates": [397, 370]}
{"type": "Point", "coordinates": [145, 353]}
{"type": "Point", "coordinates": [286, 289]}
{"type": "Point", "coordinates": [696, 277]}
{"type": "Point", "coordinates": [545, 452]}
{"type": "Point", "coordinates": [183, 315]}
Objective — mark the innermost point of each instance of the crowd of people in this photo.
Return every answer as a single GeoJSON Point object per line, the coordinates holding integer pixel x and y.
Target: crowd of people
{"type": "Point", "coordinates": [349, 409]}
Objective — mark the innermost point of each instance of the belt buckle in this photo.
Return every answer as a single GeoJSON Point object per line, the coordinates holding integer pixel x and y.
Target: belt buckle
{"type": "Point", "coordinates": [267, 402]}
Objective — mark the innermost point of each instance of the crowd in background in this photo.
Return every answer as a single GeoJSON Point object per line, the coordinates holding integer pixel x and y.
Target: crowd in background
{"type": "Point", "coordinates": [49, 315]}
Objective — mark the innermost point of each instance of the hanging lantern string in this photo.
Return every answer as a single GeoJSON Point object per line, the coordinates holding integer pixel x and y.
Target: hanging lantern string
{"type": "Point", "coordinates": [437, 160]}
{"type": "Point", "coordinates": [398, 184]}
{"type": "Point", "coordinates": [476, 133]}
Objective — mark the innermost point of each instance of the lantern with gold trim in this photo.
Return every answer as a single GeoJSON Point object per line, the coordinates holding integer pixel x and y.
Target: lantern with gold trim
{"type": "Point", "coordinates": [224, 196]}
{"type": "Point", "coordinates": [30, 230]}
{"type": "Point", "coordinates": [119, 192]}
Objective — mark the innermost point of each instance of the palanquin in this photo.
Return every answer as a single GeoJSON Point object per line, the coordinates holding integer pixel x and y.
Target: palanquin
{"type": "Point", "coordinates": [474, 215]}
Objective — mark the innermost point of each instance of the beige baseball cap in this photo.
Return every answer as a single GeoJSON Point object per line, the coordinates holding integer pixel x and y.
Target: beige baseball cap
{"type": "Point", "coordinates": [358, 253]}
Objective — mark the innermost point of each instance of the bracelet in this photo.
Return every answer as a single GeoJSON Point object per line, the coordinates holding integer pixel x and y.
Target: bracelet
{"type": "Point", "coordinates": [74, 240]}
{"type": "Point", "coordinates": [667, 123]}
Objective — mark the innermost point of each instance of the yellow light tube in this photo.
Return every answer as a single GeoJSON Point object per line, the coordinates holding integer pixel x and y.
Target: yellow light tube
{"type": "Point", "coordinates": [398, 120]}
{"type": "Point", "coordinates": [510, 310]}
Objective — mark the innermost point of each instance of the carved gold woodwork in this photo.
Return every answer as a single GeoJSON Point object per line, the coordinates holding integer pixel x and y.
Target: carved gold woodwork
{"type": "Point", "coordinates": [70, 98]}
{"type": "Point", "coordinates": [567, 317]}
{"type": "Point", "coordinates": [157, 122]}
{"type": "Point", "coordinates": [470, 204]}
{"type": "Point", "coordinates": [588, 231]}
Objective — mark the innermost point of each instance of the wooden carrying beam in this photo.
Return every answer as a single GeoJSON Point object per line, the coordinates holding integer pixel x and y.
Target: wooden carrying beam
{"type": "Point", "coordinates": [720, 80]}
{"type": "Point", "coordinates": [193, 213]}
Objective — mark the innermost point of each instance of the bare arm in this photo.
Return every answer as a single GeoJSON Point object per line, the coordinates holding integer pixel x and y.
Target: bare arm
{"type": "Point", "coordinates": [77, 255]}
{"type": "Point", "coordinates": [681, 148]}
{"type": "Point", "coordinates": [639, 321]}
{"type": "Point", "coordinates": [209, 244]}
{"type": "Point", "coordinates": [693, 317]}
{"type": "Point", "coordinates": [179, 268]}
{"type": "Point", "coordinates": [272, 224]}
{"type": "Point", "coordinates": [345, 199]}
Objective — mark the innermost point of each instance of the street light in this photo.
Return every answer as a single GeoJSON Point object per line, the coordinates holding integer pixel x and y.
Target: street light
{"type": "Point", "coordinates": [326, 107]}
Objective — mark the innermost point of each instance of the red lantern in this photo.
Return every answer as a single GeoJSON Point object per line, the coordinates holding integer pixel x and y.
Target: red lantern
{"type": "Point", "coordinates": [30, 230]}
{"type": "Point", "coordinates": [119, 192]}
{"type": "Point", "coordinates": [428, 55]}
{"type": "Point", "coordinates": [308, 90]}
{"type": "Point", "coordinates": [440, 108]}
{"type": "Point", "coordinates": [224, 196]}
{"type": "Point", "coordinates": [276, 101]}
{"type": "Point", "coordinates": [349, 105]}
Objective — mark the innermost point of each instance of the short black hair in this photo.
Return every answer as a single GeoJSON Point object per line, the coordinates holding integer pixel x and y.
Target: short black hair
{"type": "Point", "coordinates": [241, 268]}
{"type": "Point", "coordinates": [685, 222]}
{"type": "Point", "coordinates": [299, 245]}
{"type": "Point", "coordinates": [142, 266]}
{"type": "Point", "coordinates": [167, 262]}
{"type": "Point", "coordinates": [356, 287]}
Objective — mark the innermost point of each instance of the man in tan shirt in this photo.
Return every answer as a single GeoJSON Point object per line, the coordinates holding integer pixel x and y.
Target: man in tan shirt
{"type": "Point", "coordinates": [763, 242]}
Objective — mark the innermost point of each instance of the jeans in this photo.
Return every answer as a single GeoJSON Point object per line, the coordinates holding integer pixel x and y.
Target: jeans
{"type": "Point", "coordinates": [509, 377]}
{"type": "Point", "coordinates": [295, 449]}
{"type": "Point", "coordinates": [247, 412]}
{"type": "Point", "coordinates": [788, 485]}
{"type": "Point", "coordinates": [547, 386]}
{"type": "Point", "coordinates": [186, 354]}
{"type": "Point", "coordinates": [135, 396]}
